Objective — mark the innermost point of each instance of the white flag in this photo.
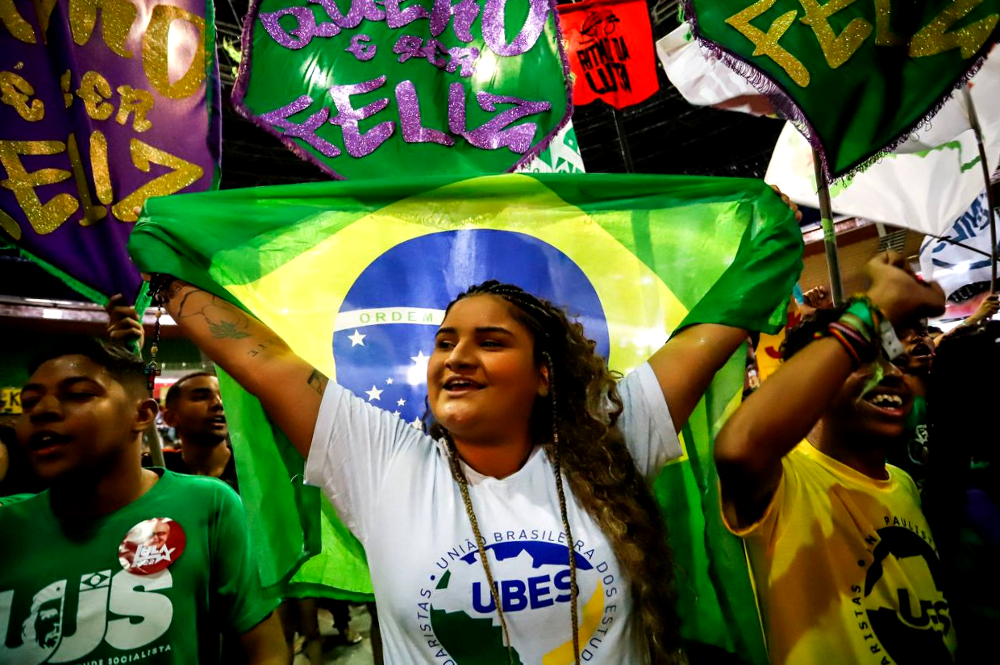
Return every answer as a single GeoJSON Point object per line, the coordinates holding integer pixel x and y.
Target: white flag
{"type": "Point", "coordinates": [706, 81]}
{"type": "Point", "coordinates": [953, 266]}
{"type": "Point", "coordinates": [929, 182]}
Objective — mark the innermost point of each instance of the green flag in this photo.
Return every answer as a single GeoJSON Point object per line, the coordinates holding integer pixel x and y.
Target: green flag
{"type": "Point", "coordinates": [355, 276]}
{"type": "Point", "coordinates": [856, 77]}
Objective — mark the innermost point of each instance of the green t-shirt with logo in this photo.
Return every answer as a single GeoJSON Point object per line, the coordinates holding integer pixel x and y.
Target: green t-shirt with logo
{"type": "Point", "coordinates": [154, 582]}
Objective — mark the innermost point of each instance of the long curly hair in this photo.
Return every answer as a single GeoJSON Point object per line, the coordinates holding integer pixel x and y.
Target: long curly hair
{"type": "Point", "coordinates": [595, 461]}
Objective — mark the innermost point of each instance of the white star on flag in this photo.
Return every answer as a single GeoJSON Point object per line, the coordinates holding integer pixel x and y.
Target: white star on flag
{"type": "Point", "coordinates": [401, 402]}
{"type": "Point", "coordinates": [416, 424]}
{"type": "Point", "coordinates": [416, 375]}
{"type": "Point", "coordinates": [374, 393]}
{"type": "Point", "coordinates": [356, 339]}
{"type": "Point", "coordinates": [389, 381]}
{"type": "Point", "coordinates": [396, 413]}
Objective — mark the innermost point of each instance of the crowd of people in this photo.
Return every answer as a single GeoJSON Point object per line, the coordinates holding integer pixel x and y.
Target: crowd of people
{"type": "Point", "coordinates": [108, 558]}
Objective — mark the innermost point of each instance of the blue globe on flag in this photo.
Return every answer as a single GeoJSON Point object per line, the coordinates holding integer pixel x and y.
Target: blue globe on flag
{"type": "Point", "coordinates": [384, 333]}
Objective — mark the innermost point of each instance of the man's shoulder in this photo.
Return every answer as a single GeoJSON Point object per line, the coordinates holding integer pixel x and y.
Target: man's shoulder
{"type": "Point", "coordinates": [185, 483]}
{"type": "Point", "coordinates": [15, 498]}
{"type": "Point", "coordinates": [210, 493]}
{"type": "Point", "coordinates": [905, 480]}
{"type": "Point", "coordinates": [22, 506]}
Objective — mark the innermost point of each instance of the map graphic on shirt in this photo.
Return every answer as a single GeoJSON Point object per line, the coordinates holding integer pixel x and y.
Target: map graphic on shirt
{"type": "Point", "coordinates": [393, 487]}
{"type": "Point", "coordinates": [458, 612]}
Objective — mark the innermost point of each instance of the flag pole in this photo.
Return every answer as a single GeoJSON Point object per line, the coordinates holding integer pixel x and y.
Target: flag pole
{"type": "Point", "coordinates": [623, 141]}
{"type": "Point", "coordinates": [974, 122]}
{"type": "Point", "coordinates": [829, 233]}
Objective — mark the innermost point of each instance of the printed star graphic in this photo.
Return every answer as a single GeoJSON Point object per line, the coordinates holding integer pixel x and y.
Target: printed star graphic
{"type": "Point", "coordinates": [374, 394]}
{"type": "Point", "coordinates": [389, 381]}
{"type": "Point", "coordinates": [416, 424]}
{"type": "Point", "coordinates": [356, 339]}
{"type": "Point", "coordinates": [420, 358]}
{"type": "Point", "coordinates": [395, 413]}
{"type": "Point", "coordinates": [401, 402]}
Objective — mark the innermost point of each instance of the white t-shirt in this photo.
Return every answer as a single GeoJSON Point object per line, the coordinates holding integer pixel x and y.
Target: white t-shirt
{"type": "Point", "coordinates": [393, 487]}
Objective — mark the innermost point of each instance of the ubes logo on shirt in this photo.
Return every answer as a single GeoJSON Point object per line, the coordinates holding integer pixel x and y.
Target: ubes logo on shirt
{"type": "Point", "coordinates": [456, 613]}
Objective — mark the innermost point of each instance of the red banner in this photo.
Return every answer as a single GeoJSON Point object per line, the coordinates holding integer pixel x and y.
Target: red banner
{"type": "Point", "coordinates": [610, 48]}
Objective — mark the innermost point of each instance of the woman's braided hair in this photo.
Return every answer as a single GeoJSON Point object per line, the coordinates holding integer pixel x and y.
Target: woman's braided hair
{"type": "Point", "coordinates": [577, 430]}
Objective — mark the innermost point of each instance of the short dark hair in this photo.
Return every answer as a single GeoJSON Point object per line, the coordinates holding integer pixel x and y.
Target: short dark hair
{"type": "Point", "coordinates": [804, 334]}
{"type": "Point", "coordinates": [126, 367]}
{"type": "Point", "coordinates": [174, 391]}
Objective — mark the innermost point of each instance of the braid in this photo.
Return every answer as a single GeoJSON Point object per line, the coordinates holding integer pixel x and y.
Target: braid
{"type": "Point", "coordinates": [557, 468]}
{"type": "Point", "coordinates": [463, 486]}
{"type": "Point", "coordinates": [598, 466]}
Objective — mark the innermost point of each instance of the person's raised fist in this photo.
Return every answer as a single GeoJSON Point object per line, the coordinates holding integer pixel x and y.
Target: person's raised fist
{"type": "Point", "coordinates": [901, 294]}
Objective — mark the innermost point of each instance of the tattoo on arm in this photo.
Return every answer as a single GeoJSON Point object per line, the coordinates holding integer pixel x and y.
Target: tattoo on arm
{"type": "Point", "coordinates": [224, 320]}
{"type": "Point", "coordinates": [317, 381]}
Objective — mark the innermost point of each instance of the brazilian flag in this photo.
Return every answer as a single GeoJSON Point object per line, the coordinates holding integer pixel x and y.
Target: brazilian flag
{"type": "Point", "coordinates": [356, 275]}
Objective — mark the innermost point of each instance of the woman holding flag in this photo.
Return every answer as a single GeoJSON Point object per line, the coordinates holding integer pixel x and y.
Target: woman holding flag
{"type": "Point", "coordinates": [474, 544]}
{"type": "Point", "coordinates": [520, 406]}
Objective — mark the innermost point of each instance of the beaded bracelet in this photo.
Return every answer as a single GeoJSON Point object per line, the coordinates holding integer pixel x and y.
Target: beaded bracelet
{"type": "Point", "coordinates": [159, 283]}
{"type": "Point", "coordinates": [858, 330]}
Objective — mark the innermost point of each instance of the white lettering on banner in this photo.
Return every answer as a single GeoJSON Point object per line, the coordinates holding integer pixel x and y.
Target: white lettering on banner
{"type": "Point", "coordinates": [370, 317]}
{"type": "Point", "coordinates": [146, 616]}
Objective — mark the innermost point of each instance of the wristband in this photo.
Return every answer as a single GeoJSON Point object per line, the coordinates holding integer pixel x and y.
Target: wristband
{"type": "Point", "coordinates": [890, 341]}
{"type": "Point", "coordinates": [859, 330]}
{"type": "Point", "coordinates": [861, 349]}
{"type": "Point", "coordinates": [864, 311]}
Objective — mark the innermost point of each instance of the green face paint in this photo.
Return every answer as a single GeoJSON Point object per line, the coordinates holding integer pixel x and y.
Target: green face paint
{"type": "Point", "coordinates": [873, 380]}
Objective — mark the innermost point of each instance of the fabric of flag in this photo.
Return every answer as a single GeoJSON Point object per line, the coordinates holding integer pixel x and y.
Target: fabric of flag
{"type": "Point", "coordinates": [706, 81]}
{"type": "Point", "coordinates": [926, 184]}
{"type": "Point", "coordinates": [355, 276]}
{"type": "Point", "coordinates": [855, 77]}
{"type": "Point", "coordinates": [102, 105]}
{"type": "Point", "coordinates": [768, 351]}
{"type": "Point", "coordinates": [364, 90]}
{"type": "Point", "coordinates": [961, 256]}
{"type": "Point", "coordinates": [609, 44]}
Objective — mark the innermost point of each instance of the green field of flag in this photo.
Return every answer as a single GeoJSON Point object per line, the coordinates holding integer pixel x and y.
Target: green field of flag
{"type": "Point", "coordinates": [317, 261]}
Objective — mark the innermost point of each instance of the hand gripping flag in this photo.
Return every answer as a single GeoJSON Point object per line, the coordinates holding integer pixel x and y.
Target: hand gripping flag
{"type": "Point", "coordinates": [355, 276]}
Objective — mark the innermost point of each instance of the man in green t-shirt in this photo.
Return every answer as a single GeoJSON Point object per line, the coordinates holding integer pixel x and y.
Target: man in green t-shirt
{"type": "Point", "coordinates": [116, 563]}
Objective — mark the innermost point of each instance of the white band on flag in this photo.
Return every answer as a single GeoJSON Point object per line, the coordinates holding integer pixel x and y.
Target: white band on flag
{"type": "Point", "coordinates": [384, 315]}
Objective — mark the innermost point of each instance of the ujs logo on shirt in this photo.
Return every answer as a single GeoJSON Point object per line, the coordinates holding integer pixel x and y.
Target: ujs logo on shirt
{"type": "Point", "coordinates": [143, 615]}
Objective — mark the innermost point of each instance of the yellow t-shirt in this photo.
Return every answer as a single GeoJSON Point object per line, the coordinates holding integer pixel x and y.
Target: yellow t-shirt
{"type": "Point", "coordinates": [846, 569]}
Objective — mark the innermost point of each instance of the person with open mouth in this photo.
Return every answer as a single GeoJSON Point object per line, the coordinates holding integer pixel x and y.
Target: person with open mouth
{"type": "Point", "coordinates": [840, 550]}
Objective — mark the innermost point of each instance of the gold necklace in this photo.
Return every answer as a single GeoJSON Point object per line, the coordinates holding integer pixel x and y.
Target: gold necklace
{"type": "Point", "coordinates": [463, 486]}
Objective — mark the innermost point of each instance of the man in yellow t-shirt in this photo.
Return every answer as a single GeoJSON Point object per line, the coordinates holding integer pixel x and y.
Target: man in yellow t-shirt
{"type": "Point", "coordinates": [845, 565]}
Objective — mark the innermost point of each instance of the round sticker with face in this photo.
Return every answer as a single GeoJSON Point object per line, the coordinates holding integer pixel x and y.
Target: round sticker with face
{"type": "Point", "coordinates": [151, 545]}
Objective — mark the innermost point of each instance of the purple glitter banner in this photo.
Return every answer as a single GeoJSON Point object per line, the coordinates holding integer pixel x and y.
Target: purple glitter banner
{"type": "Point", "coordinates": [366, 88]}
{"type": "Point", "coordinates": [103, 104]}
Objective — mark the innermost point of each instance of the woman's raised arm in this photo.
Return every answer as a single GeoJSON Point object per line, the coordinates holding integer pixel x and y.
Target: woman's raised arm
{"type": "Point", "coordinates": [289, 388]}
{"type": "Point", "coordinates": [686, 365]}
